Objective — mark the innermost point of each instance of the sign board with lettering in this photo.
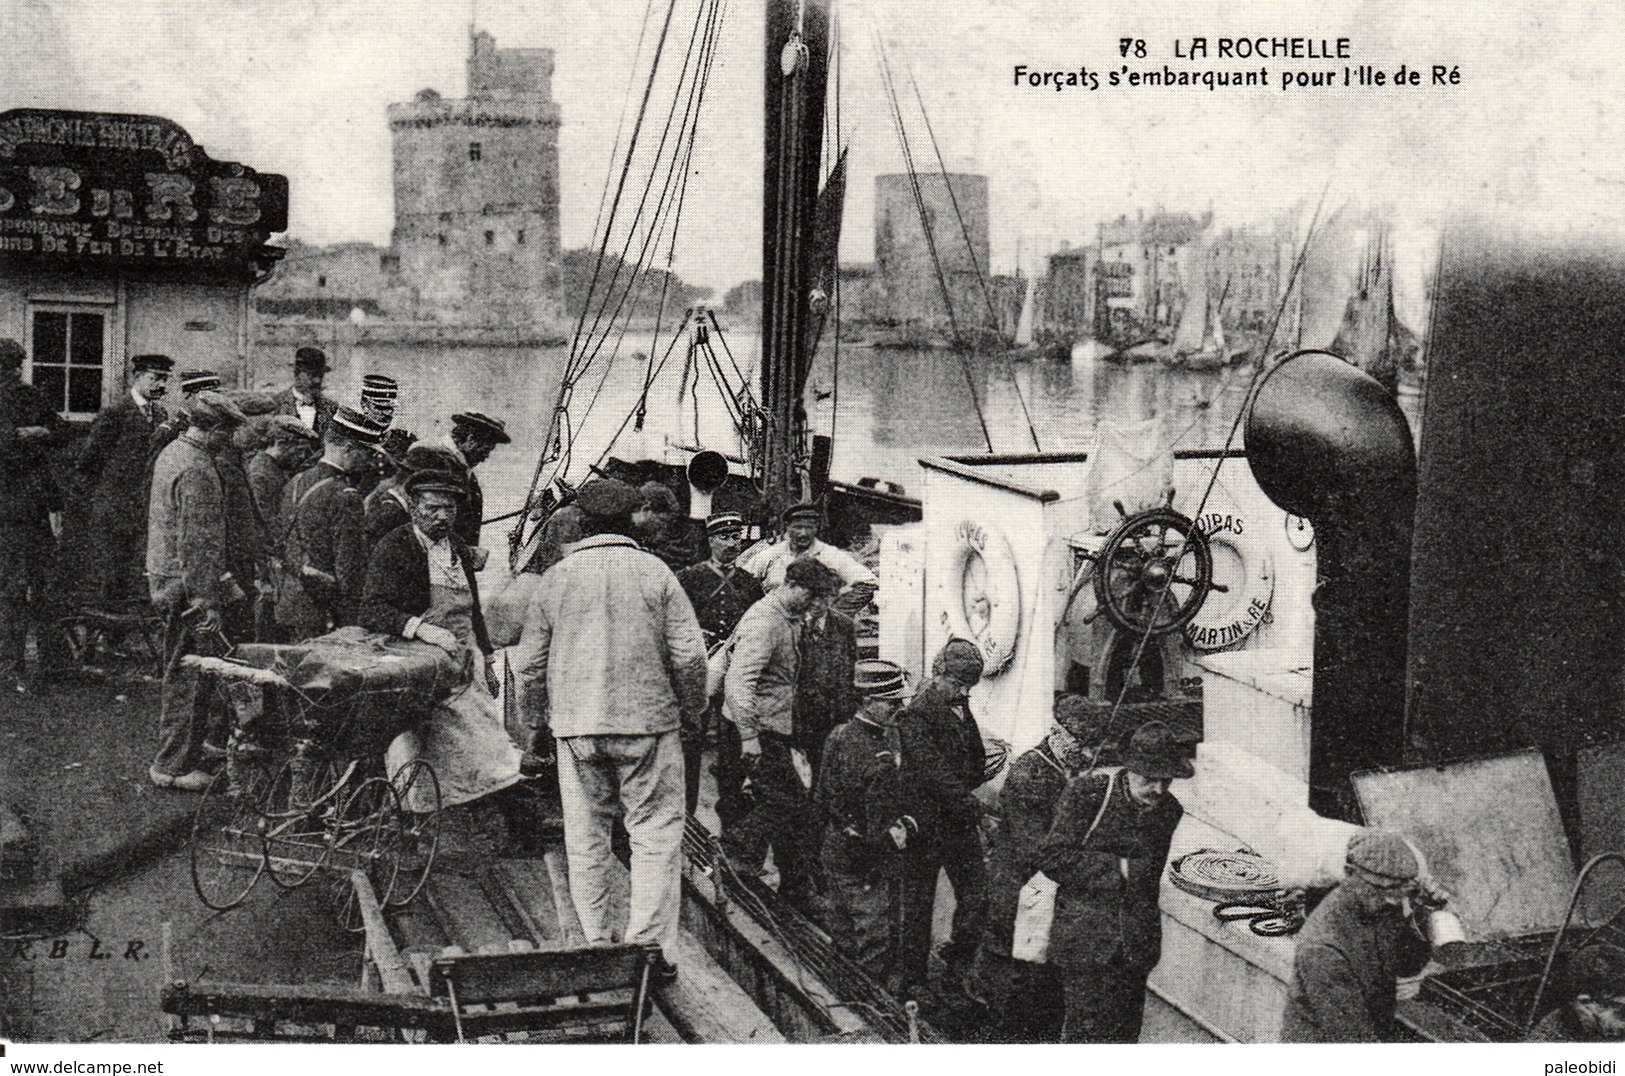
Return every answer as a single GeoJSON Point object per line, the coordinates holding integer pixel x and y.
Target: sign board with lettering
{"type": "Point", "coordinates": [97, 188]}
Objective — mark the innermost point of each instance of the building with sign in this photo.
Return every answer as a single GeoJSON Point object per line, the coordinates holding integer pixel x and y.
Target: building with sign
{"type": "Point", "coordinates": [119, 235]}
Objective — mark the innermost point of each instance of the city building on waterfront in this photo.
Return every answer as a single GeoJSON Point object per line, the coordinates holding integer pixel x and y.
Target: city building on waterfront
{"type": "Point", "coordinates": [120, 236]}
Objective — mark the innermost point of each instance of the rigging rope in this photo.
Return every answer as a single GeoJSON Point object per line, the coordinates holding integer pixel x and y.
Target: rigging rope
{"type": "Point", "coordinates": [925, 227]}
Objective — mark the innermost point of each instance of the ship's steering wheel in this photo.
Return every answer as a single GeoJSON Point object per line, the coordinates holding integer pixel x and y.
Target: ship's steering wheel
{"type": "Point", "coordinates": [1154, 571]}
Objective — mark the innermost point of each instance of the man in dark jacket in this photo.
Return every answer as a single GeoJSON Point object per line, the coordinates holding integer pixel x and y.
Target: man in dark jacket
{"type": "Point", "coordinates": [304, 400]}
{"type": "Point", "coordinates": [187, 578]}
{"type": "Point", "coordinates": [113, 478]}
{"type": "Point", "coordinates": [29, 429]}
{"type": "Point", "coordinates": [825, 697]}
{"type": "Point", "coordinates": [720, 592]}
{"type": "Point", "coordinates": [319, 526]}
{"type": "Point", "coordinates": [474, 437]}
{"type": "Point", "coordinates": [1355, 944]}
{"type": "Point", "coordinates": [1106, 852]}
{"type": "Point", "coordinates": [1027, 1000]}
{"type": "Point", "coordinates": [943, 763]}
{"type": "Point", "coordinates": [386, 507]}
{"type": "Point", "coordinates": [288, 449]}
{"type": "Point", "coordinates": [866, 823]}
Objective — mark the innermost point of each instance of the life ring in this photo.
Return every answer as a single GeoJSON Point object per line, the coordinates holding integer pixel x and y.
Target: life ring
{"type": "Point", "coordinates": [1243, 566]}
{"type": "Point", "coordinates": [982, 593]}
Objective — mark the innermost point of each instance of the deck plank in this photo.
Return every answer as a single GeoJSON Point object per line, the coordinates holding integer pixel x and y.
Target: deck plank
{"type": "Point", "coordinates": [466, 914]}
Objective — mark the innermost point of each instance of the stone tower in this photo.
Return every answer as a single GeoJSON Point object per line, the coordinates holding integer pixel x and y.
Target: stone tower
{"type": "Point", "coordinates": [477, 192]}
{"type": "Point", "coordinates": [903, 263]}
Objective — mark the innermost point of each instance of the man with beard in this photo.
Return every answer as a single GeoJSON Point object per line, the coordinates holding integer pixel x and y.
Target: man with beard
{"type": "Point", "coordinates": [768, 560]}
{"type": "Point", "coordinates": [29, 428]}
{"type": "Point", "coordinates": [720, 592]}
{"type": "Point", "coordinates": [1106, 852]}
{"type": "Point", "coordinates": [387, 507]}
{"type": "Point", "coordinates": [113, 473]}
{"type": "Point", "coordinates": [473, 437]}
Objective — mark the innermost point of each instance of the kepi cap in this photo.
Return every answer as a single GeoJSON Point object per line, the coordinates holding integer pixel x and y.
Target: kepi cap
{"type": "Point", "coordinates": [724, 522]}
{"type": "Point", "coordinates": [1383, 858]}
{"type": "Point", "coordinates": [357, 427]}
{"type": "Point", "coordinates": [1155, 752]}
{"type": "Point", "coordinates": [877, 679]}
{"type": "Point", "coordinates": [312, 360]}
{"type": "Point", "coordinates": [379, 387]}
{"type": "Point", "coordinates": [198, 380]}
{"type": "Point", "coordinates": [494, 428]}
{"type": "Point", "coordinates": [160, 364]}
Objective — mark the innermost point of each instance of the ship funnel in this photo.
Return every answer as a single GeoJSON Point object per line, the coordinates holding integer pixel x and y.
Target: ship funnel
{"type": "Point", "coordinates": [1326, 442]}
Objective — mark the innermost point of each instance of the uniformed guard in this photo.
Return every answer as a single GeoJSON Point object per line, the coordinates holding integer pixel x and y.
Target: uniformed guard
{"type": "Point", "coordinates": [474, 436]}
{"type": "Point", "coordinates": [866, 823]}
{"type": "Point", "coordinates": [192, 382]}
{"type": "Point", "coordinates": [720, 592]}
{"type": "Point", "coordinates": [378, 395]}
{"type": "Point", "coordinates": [114, 479]}
{"type": "Point", "coordinates": [319, 531]}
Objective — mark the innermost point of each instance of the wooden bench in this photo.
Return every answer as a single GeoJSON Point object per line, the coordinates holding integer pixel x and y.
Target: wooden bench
{"type": "Point", "coordinates": [544, 990]}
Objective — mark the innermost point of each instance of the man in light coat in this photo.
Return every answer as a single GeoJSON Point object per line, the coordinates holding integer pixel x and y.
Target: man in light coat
{"type": "Point", "coordinates": [613, 660]}
{"type": "Point", "coordinates": [188, 580]}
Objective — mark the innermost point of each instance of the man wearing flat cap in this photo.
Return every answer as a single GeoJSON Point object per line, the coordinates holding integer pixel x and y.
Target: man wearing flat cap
{"type": "Point", "coordinates": [303, 400]}
{"type": "Point", "coordinates": [29, 429]}
{"type": "Point", "coordinates": [613, 660]}
{"type": "Point", "coordinates": [867, 823]}
{"type": "Point", "coordinates": [474, 436]}
{"type": "Point", "coordinates": [720, 592]}
{"type": "Point", "coordinates": [1027, 1000]}
{"type": "Point", "coordinates": [943, 765]}
{"type": "Point", "coordinates": [1106, 851]}
{"type": "Point", "coordinates": [420, 585]}
{"type": "Point", "coordinates": [388, 506]}
{"type": "Point", "coordinates": [289, 447]}
{"type": "Point", "coordinates": [191, 583]}
{"type": "Point", "coordinates": [113, 476]}
{"type": "Point", "coordinates": [768, 560]}
{"type": "Point", "coordinates": [319, 532]}
{"type": "Point", "coordinates": [1356, 944]}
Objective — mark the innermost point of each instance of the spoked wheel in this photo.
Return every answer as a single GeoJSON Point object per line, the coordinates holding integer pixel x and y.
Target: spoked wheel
{"type": "Point", "coordinates": [1154, 572]}
{"type": "Point", "coordinates": [305, 796]}
{"type": "Point", "coordinates": [418, 792]}
{"type": "Point", "coordinates": [227, 854]}
{"type": "Point", "coordinates": [367, 837]}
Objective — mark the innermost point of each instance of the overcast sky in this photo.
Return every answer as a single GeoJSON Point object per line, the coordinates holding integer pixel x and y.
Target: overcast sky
{"type": "Point", "coordinates": [300, 87]}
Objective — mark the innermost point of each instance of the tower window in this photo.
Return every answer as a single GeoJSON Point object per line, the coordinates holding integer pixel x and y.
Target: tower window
{"type": "Point", "coordinates": [321, 281]}
{"type": "Point", "coordinates": [490, 238]}
{"type": "Point", "coordinates": [473, 151]}
{"type": "Point", "coordinates": [520, 238]}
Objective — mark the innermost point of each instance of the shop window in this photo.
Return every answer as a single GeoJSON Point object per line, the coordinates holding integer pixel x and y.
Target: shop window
{"type": "Point", "coordinates": [473, 151]}
{"type": "Point", "coordinates": [69, 358]}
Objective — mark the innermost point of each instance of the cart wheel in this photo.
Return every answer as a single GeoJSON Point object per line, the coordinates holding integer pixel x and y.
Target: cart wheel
{"type": "Point", "coordinates": [418, 791]}
{"type": "Point", "coordinates": [298, 841]}
{"type": "Point", "coordinates": [367, 837]}
{"type": "Point", "coordinates": [227, 854]}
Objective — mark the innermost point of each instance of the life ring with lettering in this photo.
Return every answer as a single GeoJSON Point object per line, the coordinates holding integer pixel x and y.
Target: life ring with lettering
{"type": "Point", "coordinates": [1245, 573]}
{"type": "Point", "coordinates": [982, 593]}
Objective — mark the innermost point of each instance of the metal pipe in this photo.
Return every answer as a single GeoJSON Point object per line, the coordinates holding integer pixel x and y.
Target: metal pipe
{"type": "Point", "coordinates": [1557, 942]}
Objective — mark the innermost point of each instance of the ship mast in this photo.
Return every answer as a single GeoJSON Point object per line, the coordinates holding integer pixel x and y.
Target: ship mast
{"type": "Point", "coordinates": [795, 74]}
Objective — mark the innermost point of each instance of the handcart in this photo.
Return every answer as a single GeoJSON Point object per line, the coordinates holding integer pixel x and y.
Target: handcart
{"type": "Point", "coordinates": [304, 789]}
